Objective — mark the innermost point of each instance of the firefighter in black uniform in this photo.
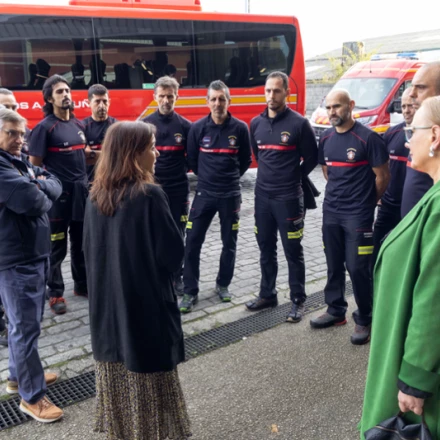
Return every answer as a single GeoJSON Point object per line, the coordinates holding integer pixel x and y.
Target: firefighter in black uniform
{"type": "Point", "coordinates": [171, 166]}
{"type": "Point", "coordinates": [219, 152]}
{"type": "Point", "coordinates": [280, 138]}
{"type": "Point", "coordinates": [58, 142]}
{"type": "Point", "coordinates": [388, 215]}
{"type": "Point", "coordinates": [354, 160]}
{"type": "Point", "coordinates": [426, 83]}
{"type": "Point", "coordinates": [96, 125]}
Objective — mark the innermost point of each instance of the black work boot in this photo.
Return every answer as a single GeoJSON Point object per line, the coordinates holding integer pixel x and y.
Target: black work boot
{"type": "Point", "coordinates": [327, 320]}
{"type": "Point", "coordinates": [361, 334]}
{"type": "Point", "coordinates": [188, 302]}
{"type": "Point", "coordinates": [261, 303]}
{"type": "Point", "coordinates": [223, 293]}
{"type": "Point", "coordinates": [296, 312]}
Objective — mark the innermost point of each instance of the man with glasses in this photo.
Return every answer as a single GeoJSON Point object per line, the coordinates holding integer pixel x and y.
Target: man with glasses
{"type": "Point", "coordinates": [388, 215]}
{"type": "Point", "coordinates": [59, 143]}
{"type": "Point", "coordinates": [426, 83]}
{"type": "Point", "coordinates": [26, 195]}
{"type": "Point", "coordinates": [354, 161]}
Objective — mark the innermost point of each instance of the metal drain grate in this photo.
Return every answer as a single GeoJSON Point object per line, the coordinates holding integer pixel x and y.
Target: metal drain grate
{"type": "Point", "coordinates": [82, 387]}
{"type": "Point", "coordinates": [255, 323]}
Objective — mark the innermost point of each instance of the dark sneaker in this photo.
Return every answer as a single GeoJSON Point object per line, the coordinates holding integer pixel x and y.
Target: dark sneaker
{"type": "Point", "coordinates": [327, 320]}
{"type": "Point", "coordinates": [83, 294]}
{"type": "Point", "coordinates": [58, 305]}
{"type": "Point", "coordinates": [178, 286]}
{"type": "Point", "coordinates": [223, 293]}
{"type": "Point", "coordinates": [188, 302]}
{"type": "Point", "coordinates": [361, 334]}
{"type": "Point", "coordinates": [296, 312]}
{"type": "Point", "coordinates": [4, 337]}
{"type": "Point", "coordinates": [261, 303]}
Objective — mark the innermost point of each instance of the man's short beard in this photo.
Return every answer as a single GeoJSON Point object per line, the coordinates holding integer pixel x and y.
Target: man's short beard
{"type": "Point", "coordinates": [338, 122]}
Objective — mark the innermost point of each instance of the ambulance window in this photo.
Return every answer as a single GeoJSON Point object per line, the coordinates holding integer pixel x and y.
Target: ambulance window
{"type": "Point", "coordinates": [32, 48]}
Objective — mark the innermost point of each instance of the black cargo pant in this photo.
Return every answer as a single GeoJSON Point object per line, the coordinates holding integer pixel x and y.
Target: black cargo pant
{"type": "Point", "coordinates": [387, 219]}
{"type": "Point", "coordinates": [179, 207]}
{"type": "Point", "coordinates": [287, 217]}
{"type": "Point", "coordinates": [64, 219]}
{"type": "Point", "coordinates": [348, 243]}
{"type": "Point", "coordinates": [202, 212]}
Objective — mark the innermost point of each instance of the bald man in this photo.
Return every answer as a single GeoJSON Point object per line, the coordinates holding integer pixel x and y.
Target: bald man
{"type": "Point", "coordinates": [388, 215]}
{"type": "Point", "coordinates": [426, 83]}
{"type": "Point", "coordinates": [354, 161]}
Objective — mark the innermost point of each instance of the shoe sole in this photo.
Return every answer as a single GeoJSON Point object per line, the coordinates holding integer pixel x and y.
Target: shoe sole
{"type": "Point", "coordinates": [327, 325]}
{"type": "Point", "coordinates": [262, 308]}
{"type": "Point", "coordinates": [13, 391]}
{"type": "Point", "coordinates": [31, 414]}
{"type": "Point", "coordinates": [58, 313]}
{"type": "Point", "coordinates": [293, 321]}
{"type": "Point", "coordinates": [188, 309]}
{"type": "Point", "coordinates": [361, 342]}
{"type": "Point", "coordinates": [225, 300]}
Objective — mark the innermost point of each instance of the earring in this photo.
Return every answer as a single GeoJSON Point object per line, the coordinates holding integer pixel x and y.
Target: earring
{"type": "Point", "coordinates": [431, 151]}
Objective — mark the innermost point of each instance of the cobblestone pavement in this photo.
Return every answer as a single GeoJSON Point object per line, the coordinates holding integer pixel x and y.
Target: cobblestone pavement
{"type": "Point", "coordinates": [65, 339]}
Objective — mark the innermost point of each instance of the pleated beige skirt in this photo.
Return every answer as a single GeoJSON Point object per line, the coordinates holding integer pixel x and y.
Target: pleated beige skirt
{"type": "Point", "coordinates": [139, 406]}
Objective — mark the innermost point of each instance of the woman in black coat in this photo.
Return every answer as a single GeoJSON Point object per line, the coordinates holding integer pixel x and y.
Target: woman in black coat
{"type": "Point", "coordinates": [132, 247]}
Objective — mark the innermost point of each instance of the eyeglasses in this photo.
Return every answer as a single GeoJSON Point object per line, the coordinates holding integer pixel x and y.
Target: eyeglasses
{"type": "Point", "coordinates": [15, 134]}
{"type": "Point", "coordinates": [409, 131]}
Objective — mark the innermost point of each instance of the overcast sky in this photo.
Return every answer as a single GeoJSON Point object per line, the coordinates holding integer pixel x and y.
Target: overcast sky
{"type": "Point", "coordinates": [325, 25]}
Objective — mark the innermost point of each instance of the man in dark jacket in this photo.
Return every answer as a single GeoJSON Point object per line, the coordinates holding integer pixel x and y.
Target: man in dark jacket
{"type": "Point", "coordinates": [26, 195]}
{"type": "Point", "coordinates": [59, 143]}
{"type": "Point", "coordinates": [171, 166]}
{"type": "Point", "coordinates": [285, 147]}
{"type": "Point", "coordinates": [96, 125]}
{"type": "Point", "coordinates": [219, 153]}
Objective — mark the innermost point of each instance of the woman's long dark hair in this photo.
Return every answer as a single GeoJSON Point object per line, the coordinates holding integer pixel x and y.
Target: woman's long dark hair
{"type": "Point", "coordinates": [118, 171]}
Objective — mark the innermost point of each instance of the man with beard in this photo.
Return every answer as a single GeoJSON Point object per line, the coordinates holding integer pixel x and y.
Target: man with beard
{"type": "Point", "coordinates": [58, 142]}
{"type": "Point", "coordinates": [96, 125]}
{"type": "Point", "coordinates": [388, 215]}
{"type": "Point", "coordinates": [426, 83]}
{"type": "Point", "coordinates": [285, 147]}
{"type": "Point", "coordinates": [354, 161]}
{"type": "Point", "coordinates": [171, 167]}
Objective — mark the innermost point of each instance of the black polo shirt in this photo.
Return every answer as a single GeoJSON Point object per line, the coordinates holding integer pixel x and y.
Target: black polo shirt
{"type": "Point", "coordinates": [285, 148]}
{"type": "Point", "coordinates": [395, 142]}
{"type": "Point", "coordinates": [415, 187]}
{"type": "Point", "coordinates": [95, 132]}
{"type": "Point", "coordinates": [219, 154]}
{"type": "Point", "coordinates": [171, 139]}
{"type": "Point", "coordinates": [61, 145]}
{"type": "Point", "coordinates": [350, 157]}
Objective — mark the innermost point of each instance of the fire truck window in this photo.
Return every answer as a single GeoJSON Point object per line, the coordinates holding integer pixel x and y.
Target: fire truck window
{"type": "Point", "coordinates": [241, 54]}
{"type": "Point", "coordinates": [33, 48]}
{"type": "Point", "coordinates": [138, 52]}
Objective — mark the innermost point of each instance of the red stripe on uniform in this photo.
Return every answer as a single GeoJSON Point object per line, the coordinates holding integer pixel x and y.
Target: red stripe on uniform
{"type": "Point", "coordinates": [96, 147]}
{"type": "Point", "coordinates": [347, 164]}
{"type": "Point", "coordinates": [408, 164]}
{"type": "Point", "coordinates": [277, 147]}
{"type": "Point", "coordinates": [399, 158]}
{"type": "Point", "coordinates": [164, 148]}
{"type": "Point", "coordinates": [65, 149]}
{"type": "Point", "coordinates": [219, 150]}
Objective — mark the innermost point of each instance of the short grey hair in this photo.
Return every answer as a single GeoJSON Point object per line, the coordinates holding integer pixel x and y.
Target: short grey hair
{"type": "Point", "coordinates": [219, 86]}
{"type": "Point", "coordinates": [167, 82]}
{"type": "Point", "coordinates": [4, 91]}
{"type": "Point", "coordinates": [10, 116]}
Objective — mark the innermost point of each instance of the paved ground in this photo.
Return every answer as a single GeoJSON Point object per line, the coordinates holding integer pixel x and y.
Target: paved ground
{"type": "Point", "coordinates": [288, 383]}
{"type": "Point", "coordinates": [65, 340]}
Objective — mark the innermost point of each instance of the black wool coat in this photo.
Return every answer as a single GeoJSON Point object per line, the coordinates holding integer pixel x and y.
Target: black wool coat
{"type": "Point", "coordinates": [130, 258]}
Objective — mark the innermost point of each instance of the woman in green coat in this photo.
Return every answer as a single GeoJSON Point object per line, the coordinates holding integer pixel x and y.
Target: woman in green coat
{"type": "Point", "coordinates": [404, 366]}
